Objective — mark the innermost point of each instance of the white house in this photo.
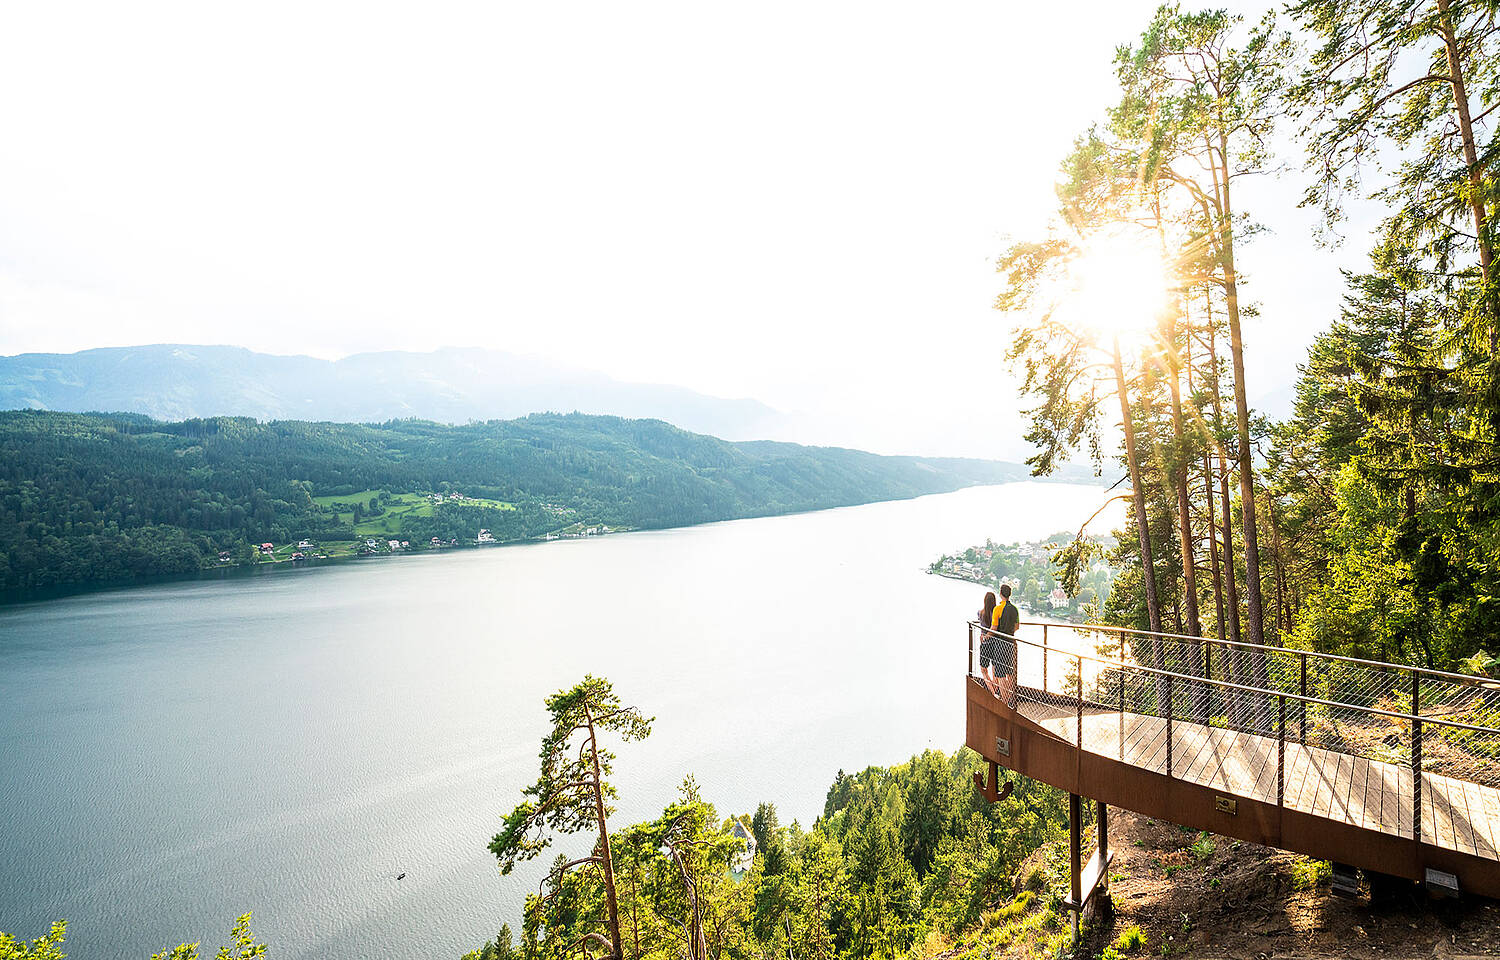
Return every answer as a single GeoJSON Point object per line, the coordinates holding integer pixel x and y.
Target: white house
{"type": "Point", "coordinates": [1058, 598]}
{"type": "Point", "coordinates": [745, 860]}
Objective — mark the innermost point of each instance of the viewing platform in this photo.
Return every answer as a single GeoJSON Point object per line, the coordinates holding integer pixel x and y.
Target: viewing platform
{"type": "Point", "coordinates": [1382, 767]}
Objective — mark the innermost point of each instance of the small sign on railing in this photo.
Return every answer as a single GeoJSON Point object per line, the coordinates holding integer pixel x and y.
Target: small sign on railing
{"type": "Point", "coordinates": [1002, 746]}
{"type": "Point", "coordinates": [1226, 805]}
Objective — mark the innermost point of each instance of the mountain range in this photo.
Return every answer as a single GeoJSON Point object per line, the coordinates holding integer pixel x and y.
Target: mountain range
{"type": "Point", "coordinates": [451, 385]}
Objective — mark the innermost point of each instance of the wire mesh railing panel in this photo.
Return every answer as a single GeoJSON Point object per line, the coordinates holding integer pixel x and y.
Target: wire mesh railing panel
{"type": "Point", "coordinates": [1462, 753]}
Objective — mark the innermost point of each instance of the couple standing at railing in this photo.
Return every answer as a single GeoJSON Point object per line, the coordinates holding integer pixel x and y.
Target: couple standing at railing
{"type": "Point", "coordinates": [997, 650]}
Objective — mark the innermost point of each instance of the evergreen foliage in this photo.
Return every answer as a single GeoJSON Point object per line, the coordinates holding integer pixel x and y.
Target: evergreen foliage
{"type": "Point", "coordinates": [1369, 523]}
{"type": "Point", "coordinates": [898, 853]}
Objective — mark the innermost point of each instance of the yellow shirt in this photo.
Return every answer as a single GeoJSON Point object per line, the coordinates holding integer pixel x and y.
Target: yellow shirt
{"type": "Point", "coordinates": [995, 617]}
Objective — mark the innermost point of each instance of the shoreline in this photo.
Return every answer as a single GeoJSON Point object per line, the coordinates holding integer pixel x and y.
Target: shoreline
{"type": "Point", "coordinates": [1050, 615]}
{"type": "Point", "coordinates": [35, 595]}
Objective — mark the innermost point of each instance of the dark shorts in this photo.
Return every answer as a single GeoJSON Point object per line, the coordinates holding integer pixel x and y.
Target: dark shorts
{"type": "Point", "coordinates": [999, 655]}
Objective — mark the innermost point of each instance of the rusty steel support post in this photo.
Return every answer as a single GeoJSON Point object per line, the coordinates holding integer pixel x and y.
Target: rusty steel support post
{"type": "Point", "coordinates": [1416, 758]}
{"type": "Point", "coordinates": [1103, 814]}
{"type": "Point", "coordinates": [1075, 855]}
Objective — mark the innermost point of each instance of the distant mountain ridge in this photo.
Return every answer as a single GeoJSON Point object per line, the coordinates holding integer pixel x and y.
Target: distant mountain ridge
{"type": "Point", "coordinates": [451, 385]}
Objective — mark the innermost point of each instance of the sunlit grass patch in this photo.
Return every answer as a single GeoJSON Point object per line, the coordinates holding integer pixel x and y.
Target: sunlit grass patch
{"type": "Point", "coordinates": [1203, 847]}
{"type": "Point", "coordinates": [1130, 940]}
{"type": "Point", "coordinates": [1308, 874]}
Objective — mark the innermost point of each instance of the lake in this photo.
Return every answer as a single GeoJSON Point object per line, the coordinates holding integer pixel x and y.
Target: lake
{"type": "Point", "coordinates": [174, 755]}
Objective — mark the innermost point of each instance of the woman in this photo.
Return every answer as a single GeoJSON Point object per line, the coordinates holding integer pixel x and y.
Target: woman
{"type": "Point", "coordinates": [1007, 619]}
{"type": "Point", "coordinates": [989, 644]}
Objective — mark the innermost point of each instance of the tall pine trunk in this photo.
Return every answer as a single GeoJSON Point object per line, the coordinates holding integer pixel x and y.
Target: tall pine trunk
{"type": "Point", "coordinates": [1213, 548]}
{"type": "Point", "coordinates": [616, 951]}
{"type": "Point", "coordinates": [1478, 208]}
{"type": "Point", "coordinates": [1142, 523]}
{"type": "Point", "coordinates": [1278, 570]}
{"type": "Point", "coordinates": [1208, 476]}
{"type": "Point", "coordinates": [1237, 713]}
{"type": "Point", "coordinates": [1254, 609]}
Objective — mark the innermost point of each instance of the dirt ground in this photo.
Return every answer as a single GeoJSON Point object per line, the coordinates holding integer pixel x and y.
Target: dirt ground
{"type": "Point", "coordinates": [1227, 898]}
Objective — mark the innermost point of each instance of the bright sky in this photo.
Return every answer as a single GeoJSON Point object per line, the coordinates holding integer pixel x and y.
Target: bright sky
{"type": "Point", "coordinates": [796, 202]}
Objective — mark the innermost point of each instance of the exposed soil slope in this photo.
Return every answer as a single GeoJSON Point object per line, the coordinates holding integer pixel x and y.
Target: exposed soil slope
{"type": "Point", "coordinates": [1198, 895]}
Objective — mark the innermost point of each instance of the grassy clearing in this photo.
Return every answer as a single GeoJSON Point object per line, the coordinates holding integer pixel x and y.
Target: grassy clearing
{"type": "Point", "coordinates": [396, 510]}
{"type": "Point", "coordinates": [362, 498]}
{"type": "Point", "coordinates": [389, 523]}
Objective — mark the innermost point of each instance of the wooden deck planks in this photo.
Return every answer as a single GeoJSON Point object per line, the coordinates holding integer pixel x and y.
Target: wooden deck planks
{"type": "Point", "coordinates": [1202, 754]}
{"type": "Point", "coordinates": [1298, 777]}
{"type": "Point", "coordinates": [1312, 779]}
{"type": "Point", "coordinates": [1457, 800]}
{"type": "Point", "coordinates": [1479, 820]}
{"type": "Point", "coordinates": [1371, 794]}
{"type": "Point", "coordinates": [1354, 801]}
{"type": "Point", "coordinates": [1404, 813]}
{"type": "Point", "coordinates": [1492, 817]}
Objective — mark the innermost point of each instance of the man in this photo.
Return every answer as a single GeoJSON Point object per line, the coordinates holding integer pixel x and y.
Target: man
{"type": "Point", "coordinates": [1006, 620]}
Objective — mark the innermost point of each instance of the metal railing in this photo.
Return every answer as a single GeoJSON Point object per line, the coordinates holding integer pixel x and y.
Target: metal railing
{"type": "Point", "coordinates": [1229, 712]}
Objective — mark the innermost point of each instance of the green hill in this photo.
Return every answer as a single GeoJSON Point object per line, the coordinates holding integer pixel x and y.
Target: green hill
{"type": "Point", "coordinates": [93, 499]}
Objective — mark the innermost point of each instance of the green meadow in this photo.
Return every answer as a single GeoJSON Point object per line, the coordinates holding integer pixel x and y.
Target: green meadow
{"type": "Point", "coordinates": [393, 509]}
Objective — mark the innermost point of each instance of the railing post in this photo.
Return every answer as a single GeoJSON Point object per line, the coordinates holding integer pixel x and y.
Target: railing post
{"type": "Point", "coordinates": [1080, 702]}
{"type": "Point", "coordinates": [1280, 749]}
{"type": "Point", "coordinates": [1302, 732]}
{"type": "Point", "coordinates": [1122, 709]}
{"type": "Point", "coordinates": [1044, 658]}
{"type": "Point", "coordinates": [1416, 758]}
{"type": "Point", "coordinates": [1169, 724]}
{"type": "Point", "coordinates": [1208, 687]}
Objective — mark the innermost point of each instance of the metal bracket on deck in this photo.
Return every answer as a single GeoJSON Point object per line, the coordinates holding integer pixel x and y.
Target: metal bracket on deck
{"type": "Point", "coordinates": [1345, 880]}
{"type": "Point", "coordinates": [993, 791]}
{"type": "Point", "coordinates": [1440, 882]}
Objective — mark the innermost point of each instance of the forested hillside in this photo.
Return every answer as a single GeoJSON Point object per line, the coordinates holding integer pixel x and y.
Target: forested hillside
{"type": "Point", "coordinates": [108, 498]}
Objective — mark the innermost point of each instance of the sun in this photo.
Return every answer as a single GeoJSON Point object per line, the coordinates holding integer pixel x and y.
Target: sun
{"type": "Point", "coordinates": [1118, 286]}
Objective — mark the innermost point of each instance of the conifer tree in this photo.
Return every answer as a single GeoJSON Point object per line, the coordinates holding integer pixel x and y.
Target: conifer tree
{"type": "Point", "coordinates": [573, 794]}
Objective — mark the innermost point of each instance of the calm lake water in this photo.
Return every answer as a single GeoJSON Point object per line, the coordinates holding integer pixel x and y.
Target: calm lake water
{"type": "Point", "coordinates": [175, 755]}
